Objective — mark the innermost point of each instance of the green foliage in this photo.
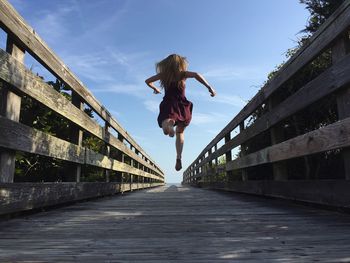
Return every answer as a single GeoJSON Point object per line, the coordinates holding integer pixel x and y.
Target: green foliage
{"type": "Point", "coordinates": [319, 10]}
{"type": "Point", "coordinates": [36, 168]}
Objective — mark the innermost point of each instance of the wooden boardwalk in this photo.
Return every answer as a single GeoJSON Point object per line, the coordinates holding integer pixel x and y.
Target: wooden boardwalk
{"type": "Point", "coordinates": [178, 224]}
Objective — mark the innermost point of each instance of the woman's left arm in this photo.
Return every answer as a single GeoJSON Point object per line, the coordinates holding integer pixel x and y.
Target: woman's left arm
{"type": "Point", "coordinates": [150, 81]}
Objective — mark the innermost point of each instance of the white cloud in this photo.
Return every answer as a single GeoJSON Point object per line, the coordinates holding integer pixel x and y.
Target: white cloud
{"type": "Point", "coordinates": [233, 100]}
{"type": "Point", "coordinates": [207, 118]}
{"type": "Point", "coordinates": [152, 105]}
{"type": "Point", "coordinates": [129, 89]}
{"type": "Point", "coordinates": [236, 73]}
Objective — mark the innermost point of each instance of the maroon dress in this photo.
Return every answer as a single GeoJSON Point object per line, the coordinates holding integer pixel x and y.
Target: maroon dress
{"type": "Point", "coordinates": [175, 105]}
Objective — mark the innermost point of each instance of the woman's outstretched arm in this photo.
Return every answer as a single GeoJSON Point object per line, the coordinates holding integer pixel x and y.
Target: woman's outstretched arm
{"type": "Point", "coordinates": [150, 81]}
{"type": "Point", "coordinates": [202, 80]}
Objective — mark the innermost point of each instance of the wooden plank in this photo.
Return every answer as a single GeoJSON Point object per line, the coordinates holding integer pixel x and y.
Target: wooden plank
{"type": "Point", "coordinates": [339, 51]}
{"type": "Point", "coordinates": [14, 24]}
{"type": "Point", "coordinates": [330, 137]}
{"type": "Point", "coordinates": [26, 82]}
{"type": "Point", "coordinates": [280, 172]}
{"type": "Point", "coordinates": [333, 193]}
{"type": "Point", "coordinates": [17, 136]}
{"type": "Point", "coordinates": [103, 161]}
{"type": "Point", "coordinates": [178, 224]}
{"type": "Point", "coordinates": [76, 135]}
{"type": "Point", "coordinates": [328, 32]}
{"type": "Point", "coordinates": [11, 106]}
{"type": "Point", "coordinates": [27, 196]}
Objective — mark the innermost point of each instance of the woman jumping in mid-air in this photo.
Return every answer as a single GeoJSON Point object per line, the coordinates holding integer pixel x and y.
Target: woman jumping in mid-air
{"type": "Point", "coordinates": [175, 109]}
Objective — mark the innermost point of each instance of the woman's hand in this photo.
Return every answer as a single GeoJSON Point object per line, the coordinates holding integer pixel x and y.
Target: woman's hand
{"type": "Point", "coordinates": [156, 91]}
{"type": "Point", "coordinates": [212, 92]}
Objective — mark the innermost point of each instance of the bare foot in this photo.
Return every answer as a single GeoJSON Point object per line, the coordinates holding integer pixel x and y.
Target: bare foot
{"type": "Point", "coordinates": [165, 127]}
{"type": "Point", "coordinates": [171, 130]}
{"type": "Point", "coordinates": [178, 165]}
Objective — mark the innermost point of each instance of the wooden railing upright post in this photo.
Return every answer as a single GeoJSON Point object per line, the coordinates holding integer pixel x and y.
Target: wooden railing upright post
{"type": "Point", "coordinates": [228, 157]}
{"type": "Point", "coordinates": [10, 107]}
{"type": "Point", "coordinates": [339, 50]}
{"type": "Point", "coordinates": [245, 176]}
{"type": "Point", "coordinates": [280, 172]}
{"type": "Point", "coordinates": [107, 172]}
{"type": "Point", "coordinates": [77, 135]}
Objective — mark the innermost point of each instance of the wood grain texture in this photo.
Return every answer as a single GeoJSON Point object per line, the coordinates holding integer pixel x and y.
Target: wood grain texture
{"type": "Point", "coordinates": [10, 108]}
{"type": "Point", "coordinates": [333, 136]}
{"type": "Point", "coordinates": [14, 24]}
{"type": "Point", "coordinates": [17, 136]}
{"type": "Point", "coordinates": [178, 224]}
{"type": "Point", "coordinates": [332, 193]}
{"type": "Point", "coordinates": [20, 197]}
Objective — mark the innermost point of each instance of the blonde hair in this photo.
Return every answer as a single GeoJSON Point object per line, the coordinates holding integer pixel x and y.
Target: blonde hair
{"type": "Point", "coordinates": [171, 69]}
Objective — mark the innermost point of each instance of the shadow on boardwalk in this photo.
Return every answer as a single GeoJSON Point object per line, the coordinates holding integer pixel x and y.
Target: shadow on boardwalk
{"type": "Point", "coordinates": [178, 224]}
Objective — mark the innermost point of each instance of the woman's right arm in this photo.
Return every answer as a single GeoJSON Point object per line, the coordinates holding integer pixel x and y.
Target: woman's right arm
{"type": "Point", "coordinates": [150, 81]}
{"type": "Point", "coordinates": [200, 79]}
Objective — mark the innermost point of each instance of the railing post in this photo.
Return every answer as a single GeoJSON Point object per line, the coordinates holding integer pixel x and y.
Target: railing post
{"type": "Point", "coordinates": [339, 50]}
{"type": "Point", "coordinates": [228, 157]}
{"type": "Point", "coordinates": [107, 172]}
{"type": "Point", "coordinates": [245, 176]}
{"type": "Point", "coordinates": [10, 107]}
{"type": "Point", "coordinates": [277, 135]}
{"type": "Point", "coordinates": [131, 175]}
{"type": "Point", "coordinates": [77, 135]}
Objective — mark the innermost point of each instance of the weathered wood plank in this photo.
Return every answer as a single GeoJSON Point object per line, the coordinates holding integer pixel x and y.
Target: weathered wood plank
{"type": "Point", "coordinates": [11, 108]}
{"type": "Point", "coordinates": [333, 193]}
{"type": "Point", "coordinates": [20, 137]}
{"type": "Point", "coordinates": [14, 24]}
{"type": "Point", "coordinates": [333, 136]}
{"type": "Point", "coordinates": [21, 79]}
{"type": "Point", "coordinates": [103, 161]}
{"type": "Point", "coordinates": [26, 196]}
{"type": "Point", "coordinates": [339, 51]}
{"type": "Point", "coordinates": [178, 224]}
{"type": "Point", "coordinates": [17, 136]}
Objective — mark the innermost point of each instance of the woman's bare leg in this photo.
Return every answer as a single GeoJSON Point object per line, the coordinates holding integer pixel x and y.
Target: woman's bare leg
{"type": "Point", "coordinates": [180, 139]}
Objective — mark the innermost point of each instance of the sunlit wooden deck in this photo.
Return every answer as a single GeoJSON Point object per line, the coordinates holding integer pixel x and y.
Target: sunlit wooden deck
{"type": "Point", "coordinates": [178, 224]}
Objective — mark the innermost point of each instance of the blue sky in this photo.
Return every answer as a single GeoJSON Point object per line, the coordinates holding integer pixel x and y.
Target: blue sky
{"type": "Point", "coordinates": [113, 45]}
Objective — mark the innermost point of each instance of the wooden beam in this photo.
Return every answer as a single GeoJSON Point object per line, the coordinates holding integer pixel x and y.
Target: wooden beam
{"type": "Point", "coordinates": [280, 172]}
{"type": "Point", "coordinates": [330, 137]}
{"type": "Point", "coordinates": [11, 108]}
{"type": "Point", "coordinates": [339, 52]}
{"type": "Point", "coordinates": [17, 136]}
{"type": "Point", "coordinates": [77, 135]}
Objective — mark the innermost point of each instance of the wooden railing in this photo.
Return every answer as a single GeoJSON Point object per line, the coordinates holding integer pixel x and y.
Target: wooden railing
{"type": "Point", "coordinates": [18, 81]}
{"type": "Point", "coordinates": [272, 109]}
